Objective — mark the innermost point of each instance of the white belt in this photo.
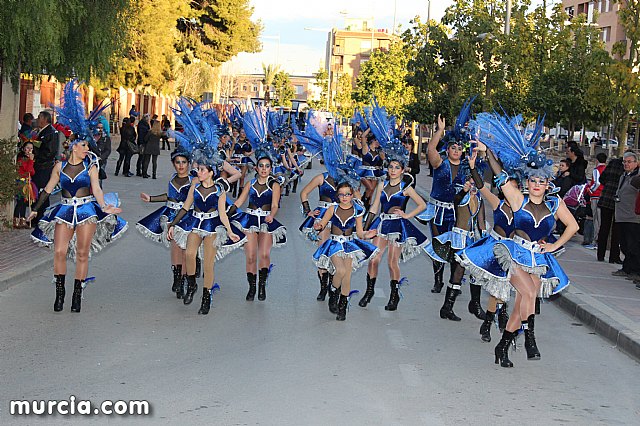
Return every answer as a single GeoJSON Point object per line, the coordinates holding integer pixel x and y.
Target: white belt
{"type": "Point", "coordinates": [203, 215]}
{"type": "Point", "coordinates": [324, 204]}
{"type": "Point", "coordinates": [497, 236]}
{"type": "Point", "coordinates": [175, 205]}
{"type": "Point", "coordinates": [258, 212]}
{"type": "Point", "coordinates": [441, 204]}
{"type": "Point", "coordinates": [342, 238]}
{"type": "Point", "coordinates": [529, 245]}
{"type": "Point", "coordinates": [371, 168]}
{"type": "Point", "coordinates": [77, 201]}
{"type": "Point", "coordinates": [463, 232]}
{"type": "Point", "coordinates": [386, 216]}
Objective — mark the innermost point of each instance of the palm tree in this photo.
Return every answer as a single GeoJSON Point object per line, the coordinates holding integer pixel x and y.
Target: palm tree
{"type": "Point", "coordinates": [270, 72]}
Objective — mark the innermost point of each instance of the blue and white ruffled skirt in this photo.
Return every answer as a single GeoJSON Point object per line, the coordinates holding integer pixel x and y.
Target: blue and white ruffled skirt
{"type": "Point", "coordinates": [205, 225]}
{"type": "Point", "coordinates": [444, 246]}
{"type": "Point", "coordinates": [154, 226]}
{"type": "Point", "coordinates": [401, 232]}
{"type": "Point", "coordinates": [307, 225]}
{"type": "Point", "coordinates": [253, 221]}
{"type": "Point", "coordinates": [344, 246]}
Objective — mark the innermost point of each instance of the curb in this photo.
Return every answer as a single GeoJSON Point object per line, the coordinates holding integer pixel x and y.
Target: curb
{"type": "Point", "coordinates": [618, 330]}
{"type": "Point", "coordinates": [38, 265]}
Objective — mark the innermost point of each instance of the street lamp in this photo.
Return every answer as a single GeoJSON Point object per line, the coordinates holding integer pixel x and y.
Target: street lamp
{"type": "Point", "coordinates": [329, 60]}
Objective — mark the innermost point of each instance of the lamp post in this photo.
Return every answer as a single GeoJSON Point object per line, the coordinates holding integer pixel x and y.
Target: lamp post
{"type": "Point", "coordinates": [275, 37]}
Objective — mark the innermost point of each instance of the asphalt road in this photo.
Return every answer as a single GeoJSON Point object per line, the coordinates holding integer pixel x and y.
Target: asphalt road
{"type": "Point", "coordinates": [287, 360]}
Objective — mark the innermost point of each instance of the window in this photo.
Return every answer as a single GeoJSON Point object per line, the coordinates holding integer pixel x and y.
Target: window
{"type": "Point", "coordinates": [606, 34]}
{"type": "Point", "coordinates": [255, 87]}
{"type": "Point", "coordinates": [244, 88]}
{"type": "Point", "coordinates": [570, 11]}
{"type": "Point", "coordinates": [605, 6]}
{"type": "Point", "coordinates": [299, 88]}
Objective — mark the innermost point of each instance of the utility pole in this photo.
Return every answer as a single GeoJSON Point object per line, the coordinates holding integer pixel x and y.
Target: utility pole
{"type": "Point", "coordinates": [507, 19]}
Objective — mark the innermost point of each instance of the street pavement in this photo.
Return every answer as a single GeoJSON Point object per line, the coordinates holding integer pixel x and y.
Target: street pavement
{"type": "Point", "coordinates": [287, 360]}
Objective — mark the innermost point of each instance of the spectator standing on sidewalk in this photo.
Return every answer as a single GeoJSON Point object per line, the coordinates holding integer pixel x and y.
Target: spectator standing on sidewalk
{"type": "Point", "coordinates": [166, 126]}
{"type": "Point", "coordinates": [127, 137]}
{"type": "Point", "coordinates": [26, 128]}
{"type": "Point", "coordinates": [413, 165]}
{"type": "Point", "coordinates": [103, 148]}
{"type": "Point", "coordinates": [578, 166]}
{"type": "Point", "coordinates": [610, 178]}
{"type": "Point", "coordinates": [133, 114]}
{"type": "Point", "coordinates": [45, 152]}
{"type": "Point", "coordinates": [627, 219]}
{"type": "Point", "coordinates": [152, 149]}
{"type": "Point", "coordinates": [26, 193]}
{"type": "Point", "coordinates": [562, 179]}
{"type": "Point", "coordinates": [594, 190]}
{"type": "Point", "coordinates": [143, 129]}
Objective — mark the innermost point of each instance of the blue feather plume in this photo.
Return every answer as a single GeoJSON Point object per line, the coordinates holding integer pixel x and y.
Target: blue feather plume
{"type": "Point", "coordinates": [383, 127]}
{"type": "Point", "coordinates": [199, 137]}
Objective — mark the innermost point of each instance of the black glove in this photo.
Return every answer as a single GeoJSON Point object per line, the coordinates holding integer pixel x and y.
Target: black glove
{"type": "Point", "coordinates": [223, 184]}
{"type": "Point", "coordinates": [305, 208]}
{"type": "Point", "coordinates": [44, 196]}
{"type": "Point", "coordinates": [181, 213]}
{"type": "Point", "coordinates": [477, 179]}
{"type": "Point", "coordinates": [158, 198]}
{"type": "Point", "coordinates": [232, 209]}
{"type": "Point", "coordinates": [369, 219]}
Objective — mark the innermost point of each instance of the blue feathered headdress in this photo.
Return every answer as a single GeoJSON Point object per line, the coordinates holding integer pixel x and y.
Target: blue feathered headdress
{"type": "Point", "coordinates": [255, 126]}
{"type": "Point", "coordinates": [236, 118]}
{"type": "Point", "coordinates": [383, 127]}
{"type": "Point", "coordinates": [460, 133]}
{"type": "Point", "coordinates": [277, 124]}
{"type": "Point", "coordinates": [199, 139]}
{"type": "Point", "coordinates": [71, 113]}
{"type": "Point", "coordinates": [359, 120]}
{"type": "Point", "coordinates": [515, 145]}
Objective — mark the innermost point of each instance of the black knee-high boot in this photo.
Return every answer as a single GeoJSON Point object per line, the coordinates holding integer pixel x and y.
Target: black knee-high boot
{"type": "Point", "coordinates": [503, 316]}
{"type": "Point", "coordinates": [530, 339]}
{"type": "Point", "coordinates": [502, 349]}
{"type": "Point", "coordinates": [60, 293]}
{"type": "Point", "coordinates": [394, 297]}
{"type": "Point", "coordinates": [177, 277]}
{"type": "Point", "coordinates": [263, 274]}
{"type": "Point", "coordinates": [485, 328]}
{"type": "Point", "coordinates": [198, 266]}
{"type": "Point", "coordinates": [438, 276]}
{"type": "Point", "coordinates": [342, 307]}
{"type": "Point", "coordinates": [368, 294]}
{"type": "Point", "coordinates": [334, 293]}
{"type": "Point", "coordinates": [192, 286]}
{"type": "Point", "coordinates": [76, 298]}
{"type": "Point", "coordinates": [324, 280]}
{"type": "Point", "coordinates": [453, 290]}
{"type": "Point", "coordinates": [206, 301]}
{"type": "Point", "coordinates": [475, 307]}
{"type": "Point", "coordinates": [295, 185]}
{"type": "Point", "coordinates": [538, 301]}
{"type": "Point", "coordinates": [251, 278]}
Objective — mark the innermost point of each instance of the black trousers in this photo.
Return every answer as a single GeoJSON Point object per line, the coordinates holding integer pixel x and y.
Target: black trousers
{"type": "Point", "coordinates": [140, 161]}
{"type": "Point", "coordinates": [41, 178]}
{"type": "Point", "coordinates": [630, 245]}
{"type": "Point", "coordinates": [165, 141]}
{"type": "Point", "coordinates": [125, 157]}
{"type": "Point", "coordinates": [608, 226]}
{"type": "Point", "coordinates": [145, 165]}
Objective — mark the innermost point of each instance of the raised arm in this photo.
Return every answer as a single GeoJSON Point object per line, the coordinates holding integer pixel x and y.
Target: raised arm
{"type": "Point", "coordinates": [489, 196]}
{"type": "Point", "coordinates": [432, 148]}
{"type": "Point", "coordinates": [234, 174]}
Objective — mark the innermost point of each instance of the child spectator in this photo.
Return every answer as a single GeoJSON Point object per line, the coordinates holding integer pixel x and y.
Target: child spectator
{"type": "Point", "coordinates": [594, 191]}
{"type": "Point", "coordinates": [26, 190]}
{"type": "Point", "coordinates": [563, 179]}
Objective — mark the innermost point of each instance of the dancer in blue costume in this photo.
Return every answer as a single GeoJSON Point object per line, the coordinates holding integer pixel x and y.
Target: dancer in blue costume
{"type": "Point", "coordinates": [371, 170]}
{"type": "Point", "coordinates": [154, 226]}
{"type": "Point", "coordinates": [395, 231]}
{"type": "Point", "coordinates": [258, 221]}
{"type": "Point", "coordinates": [83, 222]}
{"type": "Point", "coordinates": [447, 175]}
{"type": "Point", "coordinates": [207, 225]}
{"type": "Point", "coordinates": [468, 228]}
{"type": "Point", "coordinates": [343, 253]}
{"type": "Point", "coordinates": [527, 257]}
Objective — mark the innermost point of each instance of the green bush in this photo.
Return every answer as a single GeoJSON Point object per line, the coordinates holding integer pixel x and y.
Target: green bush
{"type": "Point", "coordinates": [8, 172]}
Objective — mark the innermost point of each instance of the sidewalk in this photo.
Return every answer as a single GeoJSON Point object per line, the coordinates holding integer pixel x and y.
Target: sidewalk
{"type": "Point", "coordinates": [609, 305]}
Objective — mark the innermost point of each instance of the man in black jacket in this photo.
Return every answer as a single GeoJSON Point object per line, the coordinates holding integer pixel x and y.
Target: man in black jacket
{"type": "Point", "coordinates": [578, 166]}
{"type": "Point", "coordinates": [414, 160]}
{"type": "Point", "coordinates": [45, 152]}
{"type": "Point", "coordinates": [143, 129]}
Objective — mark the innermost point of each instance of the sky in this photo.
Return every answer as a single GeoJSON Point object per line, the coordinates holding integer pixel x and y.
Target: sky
{"type": "Point", "coordinates": [301, 52]}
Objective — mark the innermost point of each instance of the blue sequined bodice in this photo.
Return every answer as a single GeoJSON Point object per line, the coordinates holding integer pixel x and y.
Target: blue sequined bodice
{"type": "Point", "coordinates": [502, 220]}
{"type": "Point", "coordinates": [397, 199]}
{"type": "Point", "coordinates": [350, 223]}
{"type": "Point", "coordinates": [242, 148]}
{"type": "Point", "coordinates": [178, 194]}
{"type": "Point", "coordinates": [326, 190]}
{"type": "Point", "coordinates": [81, 180]}
{"type": "Point", "coordinates": [536, 229]}
{"type": "Point", "coordinates": [205, 203]}
{"type": "Point", "coordinates": [443, 188]}
{"type": "Point", "coordinates": [260, 199]}
{"type": "Point", "coordinates": [371, 159]}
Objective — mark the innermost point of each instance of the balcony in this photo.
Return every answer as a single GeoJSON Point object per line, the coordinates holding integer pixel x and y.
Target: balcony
{"type": "Point", "coordinates": [338, 50]}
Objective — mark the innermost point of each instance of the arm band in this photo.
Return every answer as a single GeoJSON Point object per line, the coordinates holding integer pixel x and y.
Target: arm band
{"type": "Point", "coordinates": [44, 196]}
{"type": "Point", "coordinates": [305, 208]}
{"type": "Point", "coordinates": [158, 198]}
{"type": "Point", "coordinates": [477, 179]}
{"type": "Point", "coordinates": [181, 213]}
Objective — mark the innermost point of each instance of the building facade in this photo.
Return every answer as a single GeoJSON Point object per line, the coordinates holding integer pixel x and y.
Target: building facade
{"type": "Point", "coordinates": [607, 18]}
{"type": "Point", "coordinates": [250, 86]}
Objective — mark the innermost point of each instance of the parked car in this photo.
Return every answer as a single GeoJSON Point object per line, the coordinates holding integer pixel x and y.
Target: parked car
{"type": "Point", "coordinates": [606, 143]}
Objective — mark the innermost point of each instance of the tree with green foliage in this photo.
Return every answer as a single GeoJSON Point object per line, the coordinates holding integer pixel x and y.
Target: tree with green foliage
{"type": "Point", "coordinates": [322, 81]}
{"type": "Point", "coordinates": [384, 76]}
{"type": "Point", "coordinates": [269, 73]}
{"type": "Point", "coordinates": [283, 90]}
{"type": "Point", "coordinates": [62, 38]}
{"type": "Point", "coordinates": [343, 98]}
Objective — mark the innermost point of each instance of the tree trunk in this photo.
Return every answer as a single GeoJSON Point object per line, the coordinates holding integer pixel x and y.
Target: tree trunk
{"type": "Point", "coordinates": [622, 135]}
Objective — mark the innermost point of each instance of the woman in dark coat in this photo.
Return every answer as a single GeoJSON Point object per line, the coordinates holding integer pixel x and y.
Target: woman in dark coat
{"type": "Point", "coordinates": [152, 149]}
{"type": "Point", "coordinates": [127, 134]}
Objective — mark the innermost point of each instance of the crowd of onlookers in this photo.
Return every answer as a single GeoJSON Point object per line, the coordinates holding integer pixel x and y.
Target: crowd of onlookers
{"type": "Point", "coordinates": [606, 204]}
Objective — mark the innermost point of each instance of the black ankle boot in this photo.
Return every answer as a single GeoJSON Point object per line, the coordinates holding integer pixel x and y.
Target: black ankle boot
{"type": "Point", "coordinates": [324, 280]}
{"type": "Point", "coordinates": [503, 316]}
{"type": "Point", "coordinates": [485, 328]}
{"type": "Point", "coordinates": [286, 191]}
{"type": "Point", "coordinates": [295, 185]}
{"type": "Point", "coordinates": [206, 301]}
{"type": "Point", "coordinates": [251, 279]}
{"type": "Point", "coordinates": [371, 284]}
{"type": "Point", "coordinates": [475, 307]}
{"type": "Point", "coordinates": [192, 286]}
{"type": "Point", "coordinates": [447, 308]}
{"type": "Point", "coordinates": [438, 276]}
{"type": "Point", "coordinates": [342, 307]}
{"type": "Point", "coordinates": [234, 189]}
{"type": "Point", "coordinates": [60, 293]}
{"type": "Point", "coordinates": [530, 339]}
{"type": "Point", "coordinates": [76, 298]}
{"type": "Point", "coordinates": [333, 299]}
{"type": "Point", "coordinates": [177, 277]}
{"type": "Point", "coordinates": [538, 300]}
{"type": "Point", "coordinates": [394, 297]}
{"type": "Point", "coordinates": [180, 291]}
{"type": "Point", "coordinates": [198, 267]}
{"type": "Point", "coordinates": [263, 274]}
{"type": "Point", "coordinates": [502, 349]}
